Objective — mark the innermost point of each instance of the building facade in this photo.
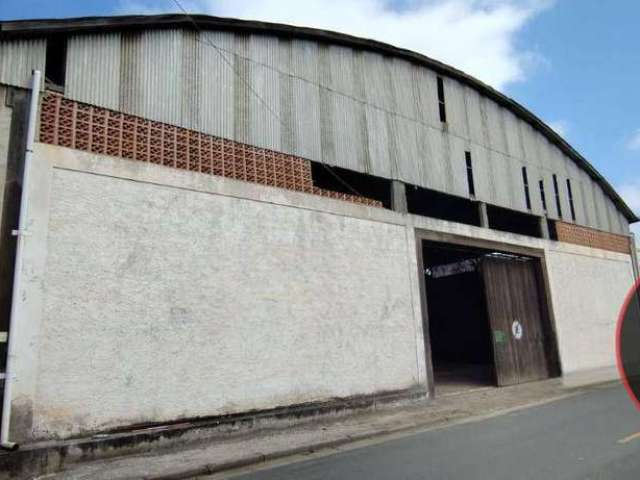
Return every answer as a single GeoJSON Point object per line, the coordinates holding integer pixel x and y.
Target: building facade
{"type": "Point", "coordinates": [246, 217]}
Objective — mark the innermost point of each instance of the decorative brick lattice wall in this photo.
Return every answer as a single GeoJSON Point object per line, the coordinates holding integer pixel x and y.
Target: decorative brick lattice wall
{"type": "Point", "coordinates": [589, 237]}
{"type": "Point", "coordinates": [85, 127]}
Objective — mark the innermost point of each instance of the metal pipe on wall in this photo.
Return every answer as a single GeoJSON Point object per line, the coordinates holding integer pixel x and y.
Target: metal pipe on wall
{"type": "Point", "coordinates": [21, 232]}
{"type": "Point", "coordinates": [634, 257]}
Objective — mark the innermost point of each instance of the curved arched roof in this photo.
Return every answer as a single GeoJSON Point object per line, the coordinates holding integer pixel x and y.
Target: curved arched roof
{"type": "Point", "coordinates": [44, 27]}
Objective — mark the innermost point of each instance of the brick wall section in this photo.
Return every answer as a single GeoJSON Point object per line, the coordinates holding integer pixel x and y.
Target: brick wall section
{"type": "Point", "coordinates": [589, 237]}
{"type": "Point", "coordinates": [85, 127]}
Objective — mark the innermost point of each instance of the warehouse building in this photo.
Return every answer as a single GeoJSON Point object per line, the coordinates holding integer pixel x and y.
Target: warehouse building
{"type": "Point", "coordinates": [226, 217]}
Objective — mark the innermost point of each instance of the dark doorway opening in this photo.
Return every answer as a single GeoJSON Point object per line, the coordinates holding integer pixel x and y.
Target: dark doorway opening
{"type": "Point", "coordinates": [459, 330]}
{"type": "Point", "coordinates": [487, 318]}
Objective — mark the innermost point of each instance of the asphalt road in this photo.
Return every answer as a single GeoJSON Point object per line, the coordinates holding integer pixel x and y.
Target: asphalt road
{"type": "Point", "coordinates": [589, 436]}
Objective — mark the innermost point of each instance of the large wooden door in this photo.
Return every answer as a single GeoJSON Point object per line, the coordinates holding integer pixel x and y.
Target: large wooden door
{"type": "Point", "coordinates": [515, 318]}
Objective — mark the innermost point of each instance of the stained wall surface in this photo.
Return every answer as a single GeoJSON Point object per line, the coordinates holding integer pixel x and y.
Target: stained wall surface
{"type": "Point", "coordinates": [155, 294]}
{"type": "Point", "coordinates": [162, 301]}
{"type": "Point", "coordinates": [588, 295]}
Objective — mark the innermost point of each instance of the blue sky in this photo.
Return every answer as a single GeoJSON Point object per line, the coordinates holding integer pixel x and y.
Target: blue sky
{"type": "Point", "coordinates": [575, 63]}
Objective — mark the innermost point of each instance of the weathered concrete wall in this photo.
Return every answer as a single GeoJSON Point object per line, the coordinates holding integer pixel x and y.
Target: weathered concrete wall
{"type": "Point", "coordinates": [155, 294]}
{"type": "Point", "coordinates": [160, 301]}
{"type": "Point", "coordinates": [588, 292]}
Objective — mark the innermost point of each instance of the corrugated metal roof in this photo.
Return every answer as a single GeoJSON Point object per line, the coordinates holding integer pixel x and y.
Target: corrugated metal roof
{"type": "Point", "coordinates": [43, 27]}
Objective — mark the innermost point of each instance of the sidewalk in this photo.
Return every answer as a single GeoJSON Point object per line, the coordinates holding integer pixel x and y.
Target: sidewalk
{"type": "Point", "coordinates": [270, 444]}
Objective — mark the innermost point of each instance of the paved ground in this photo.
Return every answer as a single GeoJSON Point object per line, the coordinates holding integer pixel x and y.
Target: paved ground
{"type": "Point", "coordinates": [326, 434]}
{"type": "Point", "coordinates": [585, 436]}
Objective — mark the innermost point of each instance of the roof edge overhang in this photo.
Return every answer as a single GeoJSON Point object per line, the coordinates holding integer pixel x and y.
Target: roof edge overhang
{"type": "Point", "coordinates": [45, 27]}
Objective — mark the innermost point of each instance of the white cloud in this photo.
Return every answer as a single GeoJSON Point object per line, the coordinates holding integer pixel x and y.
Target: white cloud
{"type": "Point", "coordinates": [476, 36]}
{"type": "Point", "coordinates": [561, 127]}
{"type": "Point", "coordinates": [633, 142]}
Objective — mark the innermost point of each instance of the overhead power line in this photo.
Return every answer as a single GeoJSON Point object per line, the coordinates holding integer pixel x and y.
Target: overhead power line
{"type": "Point", "coordinates": [257, 95]}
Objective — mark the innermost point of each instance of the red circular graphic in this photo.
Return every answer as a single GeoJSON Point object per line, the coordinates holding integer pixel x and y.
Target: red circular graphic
{"type": "Point", "coordinates": [628, 344]}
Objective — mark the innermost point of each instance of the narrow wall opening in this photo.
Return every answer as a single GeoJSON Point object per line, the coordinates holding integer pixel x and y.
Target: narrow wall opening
{"type": "Point", "coordinates": [461, 351]}
{"type": "Point", "coordinates": [56, 62]}
{"type": "Point", "coordinates": [342, 180]}
{"type": "Point", "coordinates": [515, 222]}
{"type": "Point", "coordinates": [430, 203]}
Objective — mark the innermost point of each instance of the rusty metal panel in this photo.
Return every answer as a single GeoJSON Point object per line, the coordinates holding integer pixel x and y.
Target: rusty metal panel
{"type": "Point", "coordinates": [93, 69]}
{"type": "Point", "coordinates": [18, 58]}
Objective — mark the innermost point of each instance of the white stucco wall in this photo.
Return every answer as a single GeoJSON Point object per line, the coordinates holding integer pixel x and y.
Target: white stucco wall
{"type": "Point", "coordinates": [155, 294]}
{"type": "Point", "coordinates": [162, 302]}
{"type": "Point", "coordinates": [588, 292]}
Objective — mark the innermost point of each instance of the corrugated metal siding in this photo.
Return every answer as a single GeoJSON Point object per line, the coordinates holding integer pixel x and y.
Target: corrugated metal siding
{"type": "Point", "coordinates": [586, 200]}
{"type": "Point", "coordinates": [93, 69]}
{"type": "Point", "coordinates": [355, 109]}
{"type": "Point", "coordinates": [217, 83]}
{"type": "Point", "coordinates": [512, 133]}
{"type": "Point", "coordinates": [305, 100]}
{"type": "Point", "coordinates": [424, 85]}
{"type": "Point", "coordinates": [151, 75]}
{"type": "Point", "coordinates": [482, 173]}
{"type": "Point", "coordinates": [456, 108]}
{"type": "Point", "coordinates": [263, 98]}
{"type": "Point", "coordinates": [495, 127]}
{"type": "Point", "coordinates": [18, 58]}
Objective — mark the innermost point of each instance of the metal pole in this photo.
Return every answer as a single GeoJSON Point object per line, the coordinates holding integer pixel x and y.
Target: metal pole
{"type": "Point", "coordinates": [16, 303]}
{"type": "Point", "coordinates": [634, 257]}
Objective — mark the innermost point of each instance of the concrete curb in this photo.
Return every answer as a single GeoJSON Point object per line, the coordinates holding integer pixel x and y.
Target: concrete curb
{"type": "Point", "coordinates": [210, 469]}
{"type": "Point", "coordinates": [256, 459]}
{"type": "Point", "coordinates": [54, 457]}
